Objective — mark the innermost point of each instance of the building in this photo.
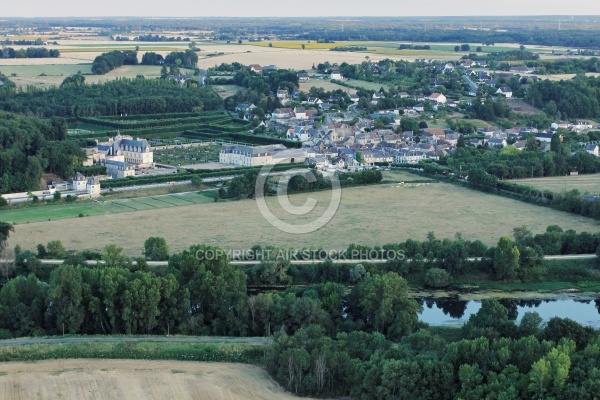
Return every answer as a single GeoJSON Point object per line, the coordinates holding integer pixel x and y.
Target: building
{"type": "Point", "coordinates": [336, 75]}
{"type": "Point", "coordinates": [251, 156]}
{"type": "Point", "coordinates": [438, 98]}
{"type": "Point", "coordinates": [119, 169]}
{"type": "Point", "coordinates": [124, 148]}
{"type": "Point", "coordinates": [506, 91]}
{"type": "Point", "coordinates": [592, 149]}
{"type": "Point", "coordinates": [89, 185]}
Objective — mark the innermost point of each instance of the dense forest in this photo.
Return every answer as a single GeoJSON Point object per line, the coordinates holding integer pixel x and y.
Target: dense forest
{"type": "Point", "coordinates": [575, 98]}
{"type": "Point", "coordinates": [31, 146]}
{"type": "Point", "coordinates": [134, 96]}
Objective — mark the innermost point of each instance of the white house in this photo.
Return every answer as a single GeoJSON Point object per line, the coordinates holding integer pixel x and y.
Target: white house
{"type": "Point", "coordinates": [336, 75]}
{"type": "Point", "coordinates": [438, 98]}
{"type": "Point", "coordinates": [251, 156]}
{"type": "Point", "coordinates": [593, 149]}
{"type": "Point", "coordinates": [506, 91]}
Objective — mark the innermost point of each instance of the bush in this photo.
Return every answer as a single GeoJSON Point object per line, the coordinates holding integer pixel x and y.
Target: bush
{"type": "Point", "coordinates": [437, 278]}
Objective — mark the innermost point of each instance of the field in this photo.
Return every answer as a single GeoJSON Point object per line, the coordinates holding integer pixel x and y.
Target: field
{"type": "Point", "coordinates": [54, 74]}
{"type": "Point", "coordinates": [325, 84]}
{"type": "Point", "coordinates": [558, 184]}
{"type": "Point", "coordinates": [135, 379]}
{"type": "Point", "coordinates": [373, 215]}
{"type": "Point", "coordinates": [101, 207]}
{"type": "Point", "coordinates": [227, 90]}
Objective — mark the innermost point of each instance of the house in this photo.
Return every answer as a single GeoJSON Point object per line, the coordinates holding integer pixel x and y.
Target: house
{"type": "Point", "coordinates": [419, 107]}
{"type": "Point", "coordinates": [376, 96]}
{"type": "Point", "coordinates": [593, 149]}
{"type": "Point", "coordinates": [520, 144]}
{"type": "Point", "coordinates": [475, 142]}
{"type": "Point", "coordinates": [245, 107]}
{"type": "Point", "coordinates": [255, 68]}
{"type": "Point", "coordinates": [300, 113]}
{"type": "Point", "coordinates": [497, 142]}
{"type": "Point", "coordinates": [281, 113]}
{"type": "Point", "coordinates": [409, 157]}
{"type": "Point", "coordinates": [354, 98]}
{"type": "Point", "coordinates": [93, 186]}
{"type": "Point", "coordinates": [314, 100]}
{"type": "Point", "coordinates": [282, 94]}
{"type": "Point", "coordinates": [336, 75]}
{"type": "Point", "coordinates": [303, 76]}
{"type": "Point", "coordinates": [403, 95]}
{"type": "Point", "coordinates": [438, 98]}
{"type": "Point", "coordinates": [544, 137]}
{"type": "Point", "coordinates": [506, 91]}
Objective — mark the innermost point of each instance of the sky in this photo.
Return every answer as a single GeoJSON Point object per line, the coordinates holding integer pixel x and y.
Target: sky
{"type": "Point", "coordinates": [304, 8]}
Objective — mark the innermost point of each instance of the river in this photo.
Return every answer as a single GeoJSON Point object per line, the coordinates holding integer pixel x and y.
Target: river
{"type": "Point", "coordinates": [454, 311]}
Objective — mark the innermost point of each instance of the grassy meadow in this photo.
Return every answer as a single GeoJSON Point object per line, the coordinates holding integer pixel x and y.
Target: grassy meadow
{"type": "Point", "coordinates": [374, 215]}
{"type": "Point", "coordinates": [558, 184]}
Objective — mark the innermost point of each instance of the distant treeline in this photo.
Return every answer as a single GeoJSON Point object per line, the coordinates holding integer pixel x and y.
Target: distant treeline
{"type": "Point", "coordinates": [348, 48]}
{"type": "Point", "coordinates": [414, 47]}
{"type": "Point", "coordinates": [548, 37]}
{"type": "Point", "coordinates": [30, 52]}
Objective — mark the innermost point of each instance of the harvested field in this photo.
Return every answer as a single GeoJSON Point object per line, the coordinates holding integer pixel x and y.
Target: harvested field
{"type": "Point", "coordinates": [557, 184]}
{"type": "Point", "coordinates": [128, 379]}
{"type": "Point", "coordinates": [373, 215]}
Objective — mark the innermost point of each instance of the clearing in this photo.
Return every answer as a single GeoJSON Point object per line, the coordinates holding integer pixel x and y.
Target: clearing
{"type": "Point", "coordinates": [371, 215]}
{"type": "Point", "coordinates": [558, 184]}
{"type": "Point", "coordinates": [136, 379]}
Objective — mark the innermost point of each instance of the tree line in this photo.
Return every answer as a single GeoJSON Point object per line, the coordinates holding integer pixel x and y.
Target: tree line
{"type": "Point", "coordinates": [31, 52]}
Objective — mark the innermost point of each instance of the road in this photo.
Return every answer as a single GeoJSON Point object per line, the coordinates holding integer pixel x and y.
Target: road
{"type": "Point", "coordinates": [313, 261]}
{"type": "Point", "coordinates": [473, 88]}
{"type": "Point", "coordinates": [250, 340]}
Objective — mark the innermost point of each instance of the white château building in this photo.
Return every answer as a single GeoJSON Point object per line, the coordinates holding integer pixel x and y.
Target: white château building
{"type": "Point", "coordinates": [251, 156]}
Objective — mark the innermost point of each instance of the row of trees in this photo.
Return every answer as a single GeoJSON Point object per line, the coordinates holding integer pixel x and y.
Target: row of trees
{"type": "Point", "coordinates": [31, 52]}
{"type": "Point", "coordinates": [575, 98]}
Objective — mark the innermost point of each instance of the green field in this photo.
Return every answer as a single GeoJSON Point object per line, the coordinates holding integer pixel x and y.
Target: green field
{"type": "Point", "coordinates": [53, 68]}
{"type": "Point", "coordinates": [50, 212]}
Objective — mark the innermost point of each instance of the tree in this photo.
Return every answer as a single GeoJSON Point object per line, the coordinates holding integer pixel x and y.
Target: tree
{"type": "Point", "coordinates": [55, 250]}
{"type": "Point", "coordinates": [5, 229]}
{"type": "Point", "coordinates": [66, 295]}
{"type": "Point", "coordinates": [465, 47]}
{"type": "Point", "coordinates": [506, 259]}
{"type": "Point", "coordinates": [437, 278]}
{"type": "Point", "coordinates": [240, 41]}
{"type": "Point", "coordinates": [113, 256]}
{"type": "Point", "coordinates": [457, 48]}
{"type": "Point", "coordinates": [384, 304]}
{"type": "Point", "coordinates": [156, 249]}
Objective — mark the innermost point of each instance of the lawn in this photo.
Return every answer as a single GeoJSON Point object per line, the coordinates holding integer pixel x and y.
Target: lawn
{"type": "Point", "coordinates": [372, 215]}
{"type": "Point", "coordinates": [104, 206]}
{"type": "Point", "coordinates": [53, 68]}
{"type": "Point", "coordinates": [227, 90]}
{"type": "Point", "coordinates": [558, 184]}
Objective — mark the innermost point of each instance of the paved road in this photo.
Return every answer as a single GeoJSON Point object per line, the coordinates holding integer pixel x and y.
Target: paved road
{"type": "Point", "coordinates": [308, 262]}
{"type": "Point", "coordinates": [251, 340]}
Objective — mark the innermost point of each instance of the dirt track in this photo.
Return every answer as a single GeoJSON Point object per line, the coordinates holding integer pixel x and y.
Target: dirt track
{"type": "Point", "coordinates": [128, 379]}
